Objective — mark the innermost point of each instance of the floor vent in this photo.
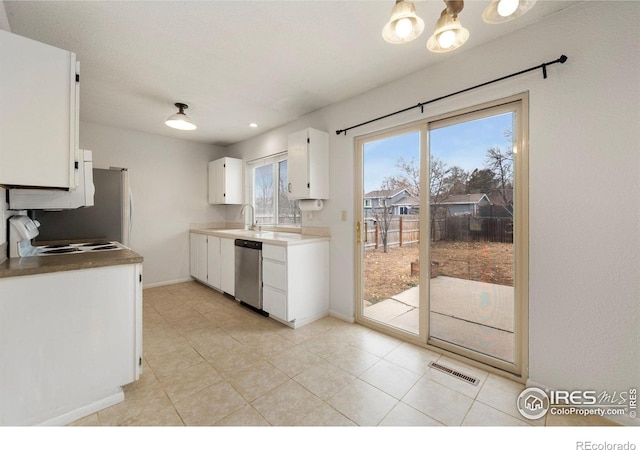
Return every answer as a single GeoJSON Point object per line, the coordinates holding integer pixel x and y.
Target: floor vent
{"type": "Point", "coordinates": [454, 373]}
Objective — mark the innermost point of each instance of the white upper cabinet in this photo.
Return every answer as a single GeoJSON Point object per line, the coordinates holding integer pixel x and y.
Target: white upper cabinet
{"type": "Point", "coordinates": [39, 87]}
{"type": "Point", "coordinates": [225, 181]}
{"type": "Point", "coordinates": [308, 164]}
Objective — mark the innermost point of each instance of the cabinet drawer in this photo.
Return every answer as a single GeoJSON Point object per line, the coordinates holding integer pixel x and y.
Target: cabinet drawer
{"type": "Point", "coordinates": [277, 252]}
{"type": "Point", "coordinates": [274, 274]}
{"type": "Point", "coordinates": [275, 303]}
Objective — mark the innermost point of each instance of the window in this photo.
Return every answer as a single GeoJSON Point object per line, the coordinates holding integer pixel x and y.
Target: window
{"type": "Point", "coordinates": [268, 192]}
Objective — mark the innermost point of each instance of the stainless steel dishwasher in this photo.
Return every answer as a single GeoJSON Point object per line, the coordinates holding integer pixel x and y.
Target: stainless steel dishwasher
{"type": "Point", "coordinates": [249, 273]}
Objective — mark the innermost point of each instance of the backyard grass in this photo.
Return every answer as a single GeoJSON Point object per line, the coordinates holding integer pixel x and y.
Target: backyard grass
{"type": "Point", "coordinates": [387, 274]}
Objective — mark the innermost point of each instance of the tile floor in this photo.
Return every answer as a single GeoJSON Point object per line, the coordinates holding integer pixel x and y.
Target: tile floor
{"type": "Point", "coordinates": [209, 361]}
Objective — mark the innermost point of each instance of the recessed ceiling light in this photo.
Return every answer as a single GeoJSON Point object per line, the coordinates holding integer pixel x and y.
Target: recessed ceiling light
{"type": "Point", "coordinates": [253, 125]}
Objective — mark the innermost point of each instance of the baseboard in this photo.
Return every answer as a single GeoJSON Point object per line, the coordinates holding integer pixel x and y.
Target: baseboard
{"type": "Point", "coordinates": [341, 316]}
{"type": "Point", "coordinates": [166, 283]}
{"type": "Point", "coordinates": [84, 411]}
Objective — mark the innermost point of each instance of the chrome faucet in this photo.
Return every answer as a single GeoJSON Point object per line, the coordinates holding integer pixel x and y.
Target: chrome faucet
{"type": "Point", "coordinates": [251, 225]}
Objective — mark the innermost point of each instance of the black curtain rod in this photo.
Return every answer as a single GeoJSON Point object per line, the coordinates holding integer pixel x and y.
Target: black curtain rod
{"type": "Point", "coordinates": [542, 66]}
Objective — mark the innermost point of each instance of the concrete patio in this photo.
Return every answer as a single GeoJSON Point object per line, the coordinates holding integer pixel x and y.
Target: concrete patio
{"type": "Point", "coordinates": [472, 314]}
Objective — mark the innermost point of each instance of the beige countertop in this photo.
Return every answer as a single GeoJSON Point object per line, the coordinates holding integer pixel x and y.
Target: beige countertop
{"type": "Point", "coordinates": [266, 237]}
{"type": "Point", "coordinates": [34, 265]}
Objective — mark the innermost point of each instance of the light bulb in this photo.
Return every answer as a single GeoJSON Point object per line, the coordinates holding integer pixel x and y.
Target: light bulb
{"type": "Point", "coordinates": [447, 39]}
{"type": "Point", "coordinates": [507, 7]}
{"type": "Point", "coordinates": [403, 28]}
{"type": "Point", "coordinates": [180, 124]}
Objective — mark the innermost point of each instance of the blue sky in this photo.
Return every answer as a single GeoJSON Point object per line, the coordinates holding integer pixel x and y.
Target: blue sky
{"type": "Point", "coordinates": [463, 145]}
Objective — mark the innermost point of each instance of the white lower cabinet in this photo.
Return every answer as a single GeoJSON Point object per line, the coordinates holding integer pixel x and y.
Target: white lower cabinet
{"type": "Point", "coordinates": [198, 256]}
{"type": "Point", "coordinates": [295, 278]}
{"type": "Point", "coordinates": [228, 266]}
{"type": "Point", "coordinates": [69, 341]}
{"type": "Point", "coordinates": [212, 261]}
{"type": "Point", "coordinates": [296, 282]}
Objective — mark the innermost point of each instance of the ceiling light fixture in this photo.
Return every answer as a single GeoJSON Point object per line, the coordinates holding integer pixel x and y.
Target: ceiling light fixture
{"type": "Point", "coordinates": [500, 11]}
{"type": "Point", "coordinates": [253, 125]}
{"type": "Point", "coordinates": [449, 33]}
{"type": "Point", "coordinates": [179, 120]}
{"type": "Point", "coordinates": [404, 25]}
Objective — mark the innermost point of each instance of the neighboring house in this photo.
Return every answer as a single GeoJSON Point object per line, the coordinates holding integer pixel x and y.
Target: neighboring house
{"type": "Point", "coordinates": [399, 201]}
{"type": "Point", "coordinates": [463, 204]}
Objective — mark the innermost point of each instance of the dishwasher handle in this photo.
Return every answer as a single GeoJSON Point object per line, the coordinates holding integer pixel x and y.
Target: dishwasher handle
{"type": "Point", "coordinates": [256, 245]}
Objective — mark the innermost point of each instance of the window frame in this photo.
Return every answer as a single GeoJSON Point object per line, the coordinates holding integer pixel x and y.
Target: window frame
{"type": "Point", "coordinates": [274, 160]}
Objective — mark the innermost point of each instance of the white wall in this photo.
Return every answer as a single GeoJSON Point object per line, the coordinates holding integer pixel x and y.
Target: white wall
{"type": "Point", "coordinates": [4, 20]}
{"type": "Point", "coordinates": [584, 182]}
{"type": "Point", "coordinates": [168, 178]}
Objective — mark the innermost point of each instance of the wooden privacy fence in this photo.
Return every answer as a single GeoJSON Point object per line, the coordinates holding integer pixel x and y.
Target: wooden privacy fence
{"type": "Point", "coordinates": [466, 228]}
{"type": "Point", "coordinates": [403, 230]}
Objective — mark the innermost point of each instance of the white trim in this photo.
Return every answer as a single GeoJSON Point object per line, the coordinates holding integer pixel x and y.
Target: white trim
{"type": "Point", "coordinates": [273, 160]}
{"type": "Point", "coordinates": [337, 315]}
{"type": "Point", "coordinates": [64, 419]}
{"type": "Point", "coordinates": [165, 283]}
{"type": "Point", "coordinates": [268, 159]}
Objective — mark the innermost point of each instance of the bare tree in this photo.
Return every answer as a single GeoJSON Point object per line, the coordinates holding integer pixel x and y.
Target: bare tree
{"type": "Point", "coordinates": [288, 210]}
{"type": "Point", "coordinates": [456, 181]}
{"type": "Point", "coordinates": [437, 184]}
{"type": "Point", "coordinates": [481, 181]}
{"type": "Point", "coordinates": [263, 191]}
{"type": "Point", "coordinates": [409, 177]}
{"type": "Point", "coordinates": [383, 214]}
{"type": "Point", "coordinates": [500, 162]}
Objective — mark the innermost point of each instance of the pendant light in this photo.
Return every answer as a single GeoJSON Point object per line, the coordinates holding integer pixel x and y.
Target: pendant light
{"type": "Point", "coordinates": [500, 11]}
{"type": "Point", "coordinates": [404, 24]}
{"type": "Point", "coordinates": [449, 33]}
{"type": "Point", "coordinates": [180, 120]}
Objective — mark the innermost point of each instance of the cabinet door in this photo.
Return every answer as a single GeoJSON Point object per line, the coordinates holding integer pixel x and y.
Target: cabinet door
{"type": "Point", "coordinates": [216, 182]}
{"type": "Point", "coordinates": [225, 181]}
{"type": "Point", "coordinates": [213, 260]}
{"type": "Point", "coordinates": [274, 274]}
{"type": "Point", "coordinates": [298, 165]}
{"type": "Point", "coordinates": [275, 303]}
{"type": "Point", "coordinates": [198, 256]}
{"type": "Point", "coordinates": [308, 164]}
{"type": "Point", "coordinates": [233, 191]}
{"type": "Point", "coordinates": [227, 266]}
{"type": "Point", "coordinates": [39, 116]}
{"type": "Point", "coordinates": [318, 164]}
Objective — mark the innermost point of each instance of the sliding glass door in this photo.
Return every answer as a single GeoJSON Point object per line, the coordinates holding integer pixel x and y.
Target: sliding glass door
{"type": "Point", "coordinates": [443, 239]}
{"type": "Point", "coordinates": [390, 230]}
